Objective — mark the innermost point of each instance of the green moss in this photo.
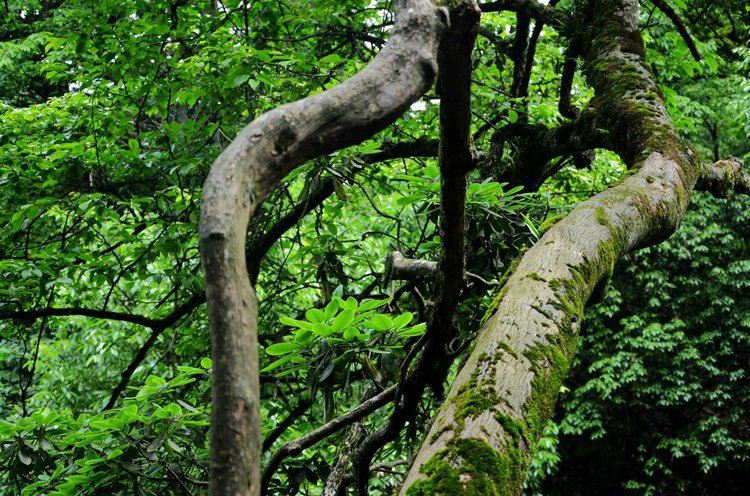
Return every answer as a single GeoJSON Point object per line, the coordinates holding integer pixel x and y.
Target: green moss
{"type": "Point", "coordinates": [601, 216]}
{"type": "Point", "coordinates": [495, 303]}
{"type": "Point", "coordinates": [513, 427]}
{"type": "Point", "coordinates": [550, 221]}
{"type": "Point", "coordinates": [474, 402]}
{"type": "Point", "coordinates": [506, 348]}
{"type": "Point", "coordinates": [468, 467]}
{"type": "Point", "coordinates": [439, 433]}
{"type": "Point", "coordinates": [550, 364]}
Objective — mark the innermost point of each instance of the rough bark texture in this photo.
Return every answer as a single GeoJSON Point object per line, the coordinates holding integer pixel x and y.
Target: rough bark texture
{"type": "Point", "coordinates": [724, 176]}
{"type": "Point", "coordinates": [483, 435]}
{"type": "Point", "coordinates": [400, 268]}
{"type": "Point", "coordinates": [239, 180]}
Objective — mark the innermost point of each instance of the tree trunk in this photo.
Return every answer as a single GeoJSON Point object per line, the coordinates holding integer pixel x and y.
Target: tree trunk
{"type": "Point", "coordinates": [240, 178]}
{"type": "Point", "coordinates": [483, 436]}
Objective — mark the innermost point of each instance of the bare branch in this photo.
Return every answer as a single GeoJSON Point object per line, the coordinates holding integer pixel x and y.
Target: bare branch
{"type": "Point", "coordinates": [241, 177]}
{"type": "Point", "coordinates": [456, 160]}
{"type": "Point", "coordinates": [537, 10]}
{"type": "Point", "coordinates": [298, 445]}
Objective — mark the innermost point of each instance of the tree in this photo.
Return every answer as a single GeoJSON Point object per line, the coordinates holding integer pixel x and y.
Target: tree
{"type": "Point", "coordinates": [653, 384]}
{"type": "Point", "coordinates": [171, 95]}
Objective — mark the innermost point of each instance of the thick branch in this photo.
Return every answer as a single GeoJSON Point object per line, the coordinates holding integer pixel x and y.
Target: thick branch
{"type": "Point", "coordinates": [483, 435]}
{"type": "Point", "coordinates": [724, 176]}
{"type": "Point", "coordinates": [240, 179]}
{"type": "Point", "coordinates": [400, 268]}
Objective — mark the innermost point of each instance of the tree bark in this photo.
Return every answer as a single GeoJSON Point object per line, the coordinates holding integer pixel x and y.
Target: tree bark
{"type": "Point", "coordinates": [483, 435]}
{"type": "Point", "coordinates": [241, 177]}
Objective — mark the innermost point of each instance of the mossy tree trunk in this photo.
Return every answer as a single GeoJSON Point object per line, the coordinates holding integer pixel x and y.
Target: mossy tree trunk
{"type": "Point", "coordinates": [483, 435]}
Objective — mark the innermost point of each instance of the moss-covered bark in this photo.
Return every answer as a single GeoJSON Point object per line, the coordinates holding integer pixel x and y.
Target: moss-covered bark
{"type": "Point", "coordinates": [505, 393]}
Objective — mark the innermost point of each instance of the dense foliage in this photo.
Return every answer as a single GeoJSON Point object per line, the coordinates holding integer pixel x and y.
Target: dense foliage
{"type": "Point", "coordinates": [662, 380]}
{"type": "Point", "coordinates": [111, 113]}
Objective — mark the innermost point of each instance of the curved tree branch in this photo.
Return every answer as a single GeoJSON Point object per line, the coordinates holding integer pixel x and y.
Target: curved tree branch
{"type": "Point", "coordinates": [724, 176]}
{"type": "Point", "coordinates": [484, 433]}
{"type": "Point", "coordinates": [239, 180]}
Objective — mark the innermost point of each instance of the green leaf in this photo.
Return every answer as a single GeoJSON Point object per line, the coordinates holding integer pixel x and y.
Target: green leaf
{"type": "Point", "coordinates": [315, 315]}
{"type": "Point", "coordinates": [402, 320]}
{"type": "Point", "coordinates": [277, 363]}
{"type": "Point", "coordinates": [282, 348]}
{"type": "Point", "coordinates": [380, 322]}
{"type": "Point", "coordinates": [237, 76]}
{"type": "Point", "coordinates": [343, 320]}
{"type": "Point", "coordinates": [338, 188]}
{"type": "Point", "coordinates": [300, 324]}
{"type": "Point", "coordinates": [324, 330]}
{"type": "Point", "coordinates": [367, 305]}
{"type": "Point", "coordinates": [331, 309]}
{"type": "Point", "coordinates": [415, 330]}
